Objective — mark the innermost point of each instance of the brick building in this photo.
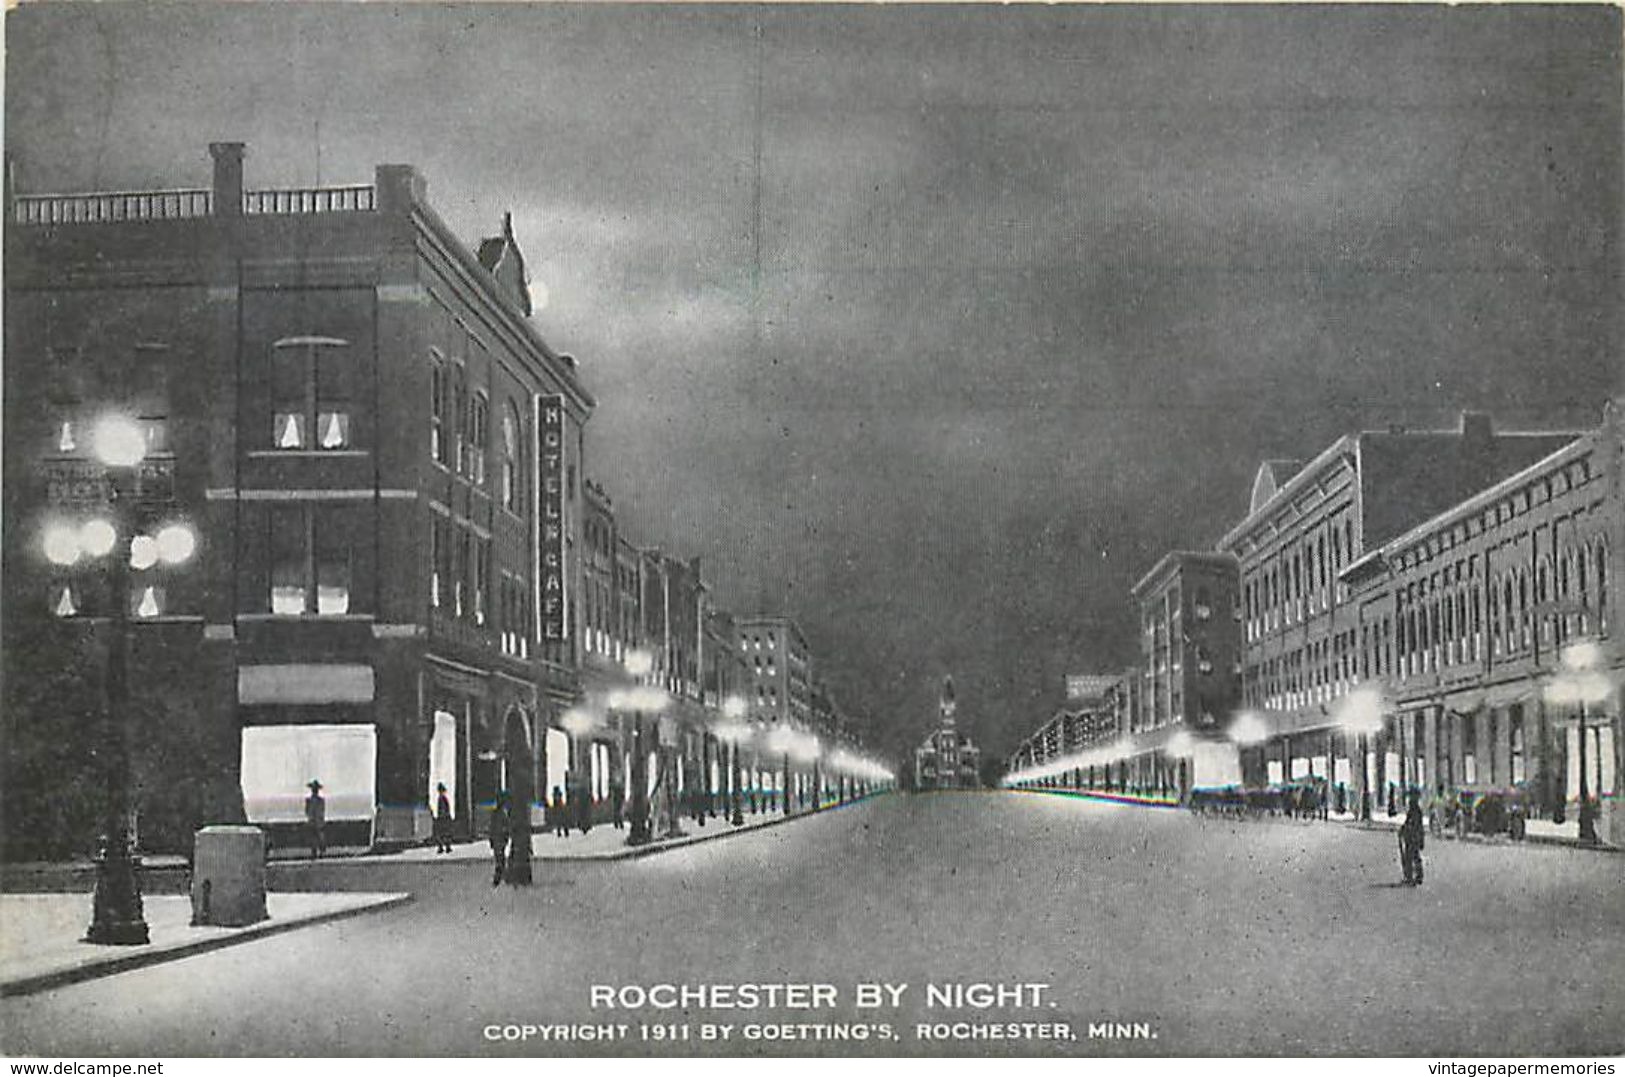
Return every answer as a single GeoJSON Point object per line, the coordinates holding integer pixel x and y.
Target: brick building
{"type": "Point", "coordinates": [781, 669]}
{"type": "Point", "coordinates": [1190, 678]}
{"type": "Point", "coordinates": [1304, 526]}
{"type": "Point", "coordinates": [380, 456]}
{"type": "Point", "coordinates": [1460, 626]}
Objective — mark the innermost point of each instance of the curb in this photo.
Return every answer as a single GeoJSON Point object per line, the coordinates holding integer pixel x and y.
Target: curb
{"type": "Point", "coordinates": [142, 957]}
{"type": "Point", "coordinates": [637, 852]}
{"type": "Point", "coordinates": [1471, 839]}
{"type": "Point", "coordinates": [1479, 839]}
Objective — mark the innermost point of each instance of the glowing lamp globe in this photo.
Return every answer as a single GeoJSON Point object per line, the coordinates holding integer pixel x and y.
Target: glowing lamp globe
{"type": "Point", "coordinates": [176, 543]}
{"type": "Point", "coordinates": [118, 441]}
{"type": "Point", "coordinates": [61, 545]}
{"type": "Point", "coordinates": [97, 537]}
{"type": "Point", "coordinates": [143, 552]}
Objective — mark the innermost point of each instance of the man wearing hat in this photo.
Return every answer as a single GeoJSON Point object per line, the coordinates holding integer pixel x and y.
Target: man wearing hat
{"type": "Point", "coordinates": [316, 819]}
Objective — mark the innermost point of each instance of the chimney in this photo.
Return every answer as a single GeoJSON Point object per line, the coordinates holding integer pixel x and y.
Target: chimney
{"type": "Point", "coordinates": [228, 178]}
{"type": "Point", "coordinates": [399, 188]}
{"type": "Point", "coordinates": [1476, 428]}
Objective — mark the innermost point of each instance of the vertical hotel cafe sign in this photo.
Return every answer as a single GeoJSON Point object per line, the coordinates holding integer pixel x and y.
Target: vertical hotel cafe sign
{"type": "Point", "coordinates": [550, 414]}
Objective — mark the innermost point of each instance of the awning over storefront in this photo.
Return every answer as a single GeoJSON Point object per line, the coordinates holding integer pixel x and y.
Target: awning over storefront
{"type": "Point", "coordinates": [304, 684]}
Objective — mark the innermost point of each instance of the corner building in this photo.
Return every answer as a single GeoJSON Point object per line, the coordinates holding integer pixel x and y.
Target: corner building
{"type": "Point", "coordinates": [1306, 524]}
{"type": "Point", "coordinates": [380, 455]}
{"type": "Point", "coordinates": [1461, 627]}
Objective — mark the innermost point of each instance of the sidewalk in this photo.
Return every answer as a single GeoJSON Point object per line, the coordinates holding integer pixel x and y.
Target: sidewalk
{"type": "Point", "coordinates": [40, 934]}
{"type": "Point", "coordinates": [1536, 832]}
{"type": "Point", "coordinates": [603, 842]}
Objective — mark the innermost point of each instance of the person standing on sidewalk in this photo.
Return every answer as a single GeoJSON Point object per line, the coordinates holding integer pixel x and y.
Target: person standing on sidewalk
{"type": "Point", "coordinates": [558, 816]}
{"type": "Point", "coordinates": [316, 819]}
{"type": "Point", "coordinates": [497, 833]}
{"type": "Point", "coordinates": [442, 819]}
{"type": "Point", "coordinates": [1411, 836]}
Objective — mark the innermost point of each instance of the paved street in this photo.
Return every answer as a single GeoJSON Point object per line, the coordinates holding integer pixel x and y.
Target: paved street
{"type": "Point", "coordinates": [1224, 937]}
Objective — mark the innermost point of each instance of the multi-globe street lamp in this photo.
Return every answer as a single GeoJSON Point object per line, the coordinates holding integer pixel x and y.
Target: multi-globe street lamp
{"type": "Point", "coordinates": [1361, 714]}
{"type": "Point", "coordinates": [733, 732]}
{"type": "Point", "coordinates": [639, 700]}
{"type": "Point", "coordinates": [779, 742]}
{"type": "Point", "coordinates": [1248, 731]}
{"type": "Point", "coordinates": [1180, 747]}
{"type": "Point", "coordinates": [119, 445]}
{"type": "Point", "coordinates": [1580, 683]}
{"type": "Point", "coordinates": [579, 723]}
{"type": "Point", "coordinates": [806, 750]}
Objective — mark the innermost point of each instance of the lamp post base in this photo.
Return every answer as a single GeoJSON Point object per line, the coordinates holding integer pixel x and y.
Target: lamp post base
{"type": "Point", "coordinates": [117, 918]}
{"type": "Point", "coordinates": [1588, 826]}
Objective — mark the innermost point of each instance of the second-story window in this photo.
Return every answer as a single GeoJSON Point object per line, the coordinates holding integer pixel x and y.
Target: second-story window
{"type": "Point", "coordinates": [310, 394]}
{"type": "Point", "coordinates": [478, 425]}
{"type": "Point", "coordinates": [310, 561]}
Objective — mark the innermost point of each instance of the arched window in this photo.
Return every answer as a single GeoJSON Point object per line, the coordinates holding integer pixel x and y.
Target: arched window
{"type": "Point", "coordinates": [510, 459]}
{"type": "Point", "coordinates": [459, 417]}
{"type": "Point", "coordinates": [1523, 608]}
{"type": "Point", "coordinates": [1602, 584]}
{"type": "Point", "coordinates": [1509, 614]}
{"type": "Point", "coordinates": [478, 435]}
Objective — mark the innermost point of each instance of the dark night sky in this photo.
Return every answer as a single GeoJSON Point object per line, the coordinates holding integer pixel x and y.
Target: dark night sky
{"type": "Point", "coordinates": [1032, 291]}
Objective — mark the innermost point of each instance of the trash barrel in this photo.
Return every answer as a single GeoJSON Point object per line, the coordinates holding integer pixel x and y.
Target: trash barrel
{"type": "Point", "coordinates": [228, 876]}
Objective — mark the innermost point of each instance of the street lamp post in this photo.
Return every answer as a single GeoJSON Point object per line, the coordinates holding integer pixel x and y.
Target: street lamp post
{"type": "Point", "coordinates": [638, 664]}
{"type": "Point", "coordinates": [1581, 683]}
{"type": "Point", "coordinates": [1361, 714]}
{"type": "Point", "coordinates": [1179, 748]}
{"type": "Point", "coordinates": [733, 709]}
{"type": "Point", "coordinates": [118, 917]}
{"type": "Point", "coordinates": [784, 786]}
{"type": "Point", "coordinates": [119, 444]}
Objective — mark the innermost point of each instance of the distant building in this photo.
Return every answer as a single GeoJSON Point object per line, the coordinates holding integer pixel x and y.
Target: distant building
{"type": "Point", "coordinates": [1190, 642]}
{"type": "Point", "coordinates": [948, 759]}
{"type": "Point", "coordinates": [780, 669]}
{"type": "Point", "coordinates": [1076, 741]}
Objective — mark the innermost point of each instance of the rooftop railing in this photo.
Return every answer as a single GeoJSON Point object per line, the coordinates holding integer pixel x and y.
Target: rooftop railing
{"type": "Point", "coordinates": [111, 206]}
{"type": "Point", "coordinates": [357, 199]}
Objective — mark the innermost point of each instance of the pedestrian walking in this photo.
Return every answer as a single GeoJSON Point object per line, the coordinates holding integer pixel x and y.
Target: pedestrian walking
{"type": "Point", "coordinates": [498, 832]}
{"type": "Point", "coordinates": [617, 803]}
{"type": "Point", "coordinates": [316, 819]}
{"type": "Point", "coordinates": [442, 819]}
{"type": "Point", "coordinates": [1411, 837]}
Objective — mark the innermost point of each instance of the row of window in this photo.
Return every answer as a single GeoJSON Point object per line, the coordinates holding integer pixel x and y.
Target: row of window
{"type": "Point", "coordinates": [459, 434]}
{"type": "Point", "coordinates": [1439, 622]}
{"type": "Point", "coordinates": [1516, 503]}
{"type": "Point", "coordinates": [1301, 578]}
